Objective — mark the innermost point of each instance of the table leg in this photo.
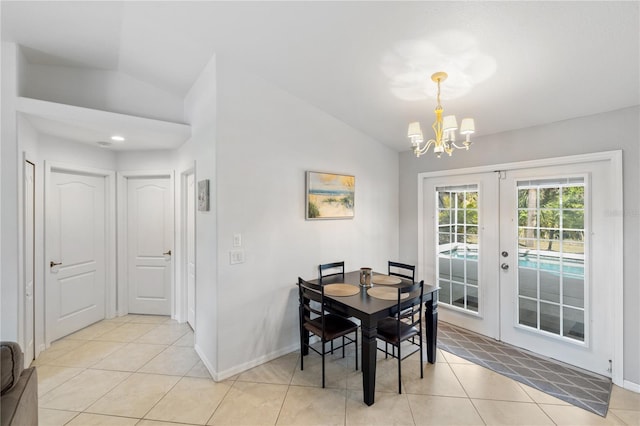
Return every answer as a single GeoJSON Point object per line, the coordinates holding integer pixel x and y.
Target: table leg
{"type": "Point", "coordinates": [369, 348]}
{"type": "Point", "coordinates": [431, 315]}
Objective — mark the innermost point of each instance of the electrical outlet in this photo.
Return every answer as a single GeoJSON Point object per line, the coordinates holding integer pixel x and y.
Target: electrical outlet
{"type": "Point", "coordinates": [237, 240]}
{"type": "Point", "coordinates": [236, 257]}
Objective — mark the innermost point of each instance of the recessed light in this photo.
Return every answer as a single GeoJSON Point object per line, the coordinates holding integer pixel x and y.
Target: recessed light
{"type": "Point", "coordinates": [117, 138]}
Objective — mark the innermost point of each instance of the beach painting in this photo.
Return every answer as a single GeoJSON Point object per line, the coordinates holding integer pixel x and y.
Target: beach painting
{"type": "Point", "coordinates": [330, 196]}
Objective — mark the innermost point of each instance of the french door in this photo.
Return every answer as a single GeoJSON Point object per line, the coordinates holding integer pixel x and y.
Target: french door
{"type": "Point", "coordinates": [523, 255]}
{"type": "Point", "coordinates": [459, 248]}
{"type": "Point", "coordinates": [555, 282]}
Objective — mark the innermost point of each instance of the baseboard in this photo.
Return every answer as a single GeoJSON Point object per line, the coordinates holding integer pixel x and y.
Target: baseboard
{"type": "Point", "coordinates": [633, 387]}
{"type": "Point", "coordinates": [205, 361]}
{"type": "Point", "coordinates": [253, 363]}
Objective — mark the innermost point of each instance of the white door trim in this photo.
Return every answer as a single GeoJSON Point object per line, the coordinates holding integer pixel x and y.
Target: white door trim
{"type": "Point", "coordinates": [22, 256]}
{"type": "Point", "coordinates": [616, 221]}
{"type": "Point", "coordinates": [182, 269]}
{"type": "Point", "coordinates": [110, 231]}
{"type": "Point", "coordinates": [123, 285]}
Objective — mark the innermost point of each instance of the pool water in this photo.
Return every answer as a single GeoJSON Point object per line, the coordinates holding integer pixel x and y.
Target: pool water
{"type": "Point", "coordinates": [545, 263]}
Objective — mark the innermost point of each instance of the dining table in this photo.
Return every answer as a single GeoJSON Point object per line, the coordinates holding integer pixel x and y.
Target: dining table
{"type": "Point", "coordinates": [369, 310]}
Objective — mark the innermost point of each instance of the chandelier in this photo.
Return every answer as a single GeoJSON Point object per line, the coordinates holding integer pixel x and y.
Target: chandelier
{"type": "Point", "coordinates": [445, 129]}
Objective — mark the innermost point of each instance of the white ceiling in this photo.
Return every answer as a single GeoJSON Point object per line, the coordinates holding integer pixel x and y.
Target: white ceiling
{"type": "Point", "coordinates": [526, 63]}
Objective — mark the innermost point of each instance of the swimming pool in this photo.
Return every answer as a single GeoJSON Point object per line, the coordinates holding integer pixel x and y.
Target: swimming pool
{"type": "Point", "coordinates": [570, 266]}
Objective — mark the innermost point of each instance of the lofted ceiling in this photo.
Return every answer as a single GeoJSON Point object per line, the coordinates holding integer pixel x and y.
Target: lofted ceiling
{"type": "Point", "coordinates": [511, 64]}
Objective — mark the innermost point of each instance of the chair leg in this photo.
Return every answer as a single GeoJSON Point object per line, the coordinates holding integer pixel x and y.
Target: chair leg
{"type": "Point", "coordinates": [302, 330]}
{"type": "Point", "coordinates": [323, 362]}
{"type": "Point", "coordinates": [399, 369]}
{"type": "Point", "coordinates": [421, 356]}
{"type": "Point", "coordinates": [386, 350]}
{"type": "Point", "coordinates": [342, 346]}
{"type": "Point", "coordinates": [356, 332]}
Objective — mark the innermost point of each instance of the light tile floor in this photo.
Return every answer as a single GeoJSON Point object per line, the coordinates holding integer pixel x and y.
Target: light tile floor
{"type": "Point", "coordinates": [143, 370]}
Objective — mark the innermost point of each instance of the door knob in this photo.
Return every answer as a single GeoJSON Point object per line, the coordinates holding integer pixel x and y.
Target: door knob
{"type": "Point", "coordinates": [52, 264]}
{"type": "Point", "coordinates": [167, 253]}
{"type": "Point", "coordinates": [504, 266]}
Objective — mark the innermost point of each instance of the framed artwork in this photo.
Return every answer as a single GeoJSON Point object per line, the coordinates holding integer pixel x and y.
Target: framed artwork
{"type": "Point", "coordinates": [203, 195]}
{"type": "Point", "coordinates": [330, 196]}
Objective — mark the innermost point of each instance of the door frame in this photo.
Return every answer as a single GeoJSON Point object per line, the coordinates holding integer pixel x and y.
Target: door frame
{"type": "Point", "coordinates": [22, 256]}
{"type": "Point", "coordinates": [122, 251]}
{"type": "Point", "coordinates": [616, 301]}
{"type": "Point", "coordinates": [110, 231]}
{"type": "Point", "coordinates": [183, 270]}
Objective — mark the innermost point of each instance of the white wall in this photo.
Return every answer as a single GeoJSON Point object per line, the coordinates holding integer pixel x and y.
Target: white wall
{"type": "Point", "coordinates": [102, 90]}
{"type": "Point", "coordinates": [200, 110]}
{"type": "Point", "coordinates": [53, 149]}
{"type": "Point", "coordinates": [266, 141]}
{"type": "Point", "coordinates": [145, 160]}
{"type": "Point", "coordinates": [609, 131]}
{"type": "Point", "coordinates": [9, 191]}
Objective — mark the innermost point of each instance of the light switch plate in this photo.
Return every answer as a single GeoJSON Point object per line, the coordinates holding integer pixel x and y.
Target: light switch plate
{"type": "Point", "coordinates": [236, 257]}
{"type": "Point", "coordinates": [237, 240]}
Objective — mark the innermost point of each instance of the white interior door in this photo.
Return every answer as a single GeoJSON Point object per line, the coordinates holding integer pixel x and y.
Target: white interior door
{"type": "Point", "coordinates": [29, 260]}
{"type": "Point", "coordinates": [150, 242]}
{"type": "Point", "coordinates": [460, 248]}
{"type": "Point", "coordinates": [76, 278]}
{"type": "Point", "coordinates": [555, 229]}
{"type": "Point", "coordinates": [191, 251]}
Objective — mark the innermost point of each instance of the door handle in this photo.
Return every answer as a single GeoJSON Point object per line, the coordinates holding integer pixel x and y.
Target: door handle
{"type": "Point", "coordinates": [52, 264]}
{"type": "Point", "coordinates": [167, 253]}
{"type": "Point", "coordinates": [504, 266]}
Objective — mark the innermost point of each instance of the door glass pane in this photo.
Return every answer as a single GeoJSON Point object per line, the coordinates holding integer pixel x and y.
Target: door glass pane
{"type": "Point", "coordinates": [528, 312]}
{"type": "Point", "coordinates": [458, 244]}
{"type": "Point", "coordinates": [550, 318]}
{"type": "Point", "coordinates": [528, 283]}
{"type": "Point", "coordinates": [551, 239]}
{"type": "Point", "coordinates": [573, 326]}
{"type": "Point", "coordinates": [472, 298]}
{"type": "Point", "coordinates": [549, 286]}
{"type": "Point", "coordinates": [457, 295]}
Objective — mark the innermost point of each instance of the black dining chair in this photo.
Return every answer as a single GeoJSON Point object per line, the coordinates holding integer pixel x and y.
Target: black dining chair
{"type": "Point", "coordinates": [314, 319]}
{"type": "Point", "coordinates": [330, 269]}
{"type": "Point", "coordinates": [404, 326]}
{"type": "Point", "coordinates": [402, 270]}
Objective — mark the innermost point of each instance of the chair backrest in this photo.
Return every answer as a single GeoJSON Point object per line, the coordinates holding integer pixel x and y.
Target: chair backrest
{"type": "Point", "coordinates": [402, 270]}
{"type": "Point", "coordinates": [410, 310]}
{"type": "Point", "coordinates": [309, 293]}
{"type": "Point", "coordinates": [331, 269]}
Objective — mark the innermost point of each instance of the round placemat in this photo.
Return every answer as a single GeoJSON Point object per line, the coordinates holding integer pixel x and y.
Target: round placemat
{"type": "Point", "coordinates": [341, 289]}
{"type": "Point", "coordinates": [386, 293]}
{"type": "Point", "coordinates": [385, 280]}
